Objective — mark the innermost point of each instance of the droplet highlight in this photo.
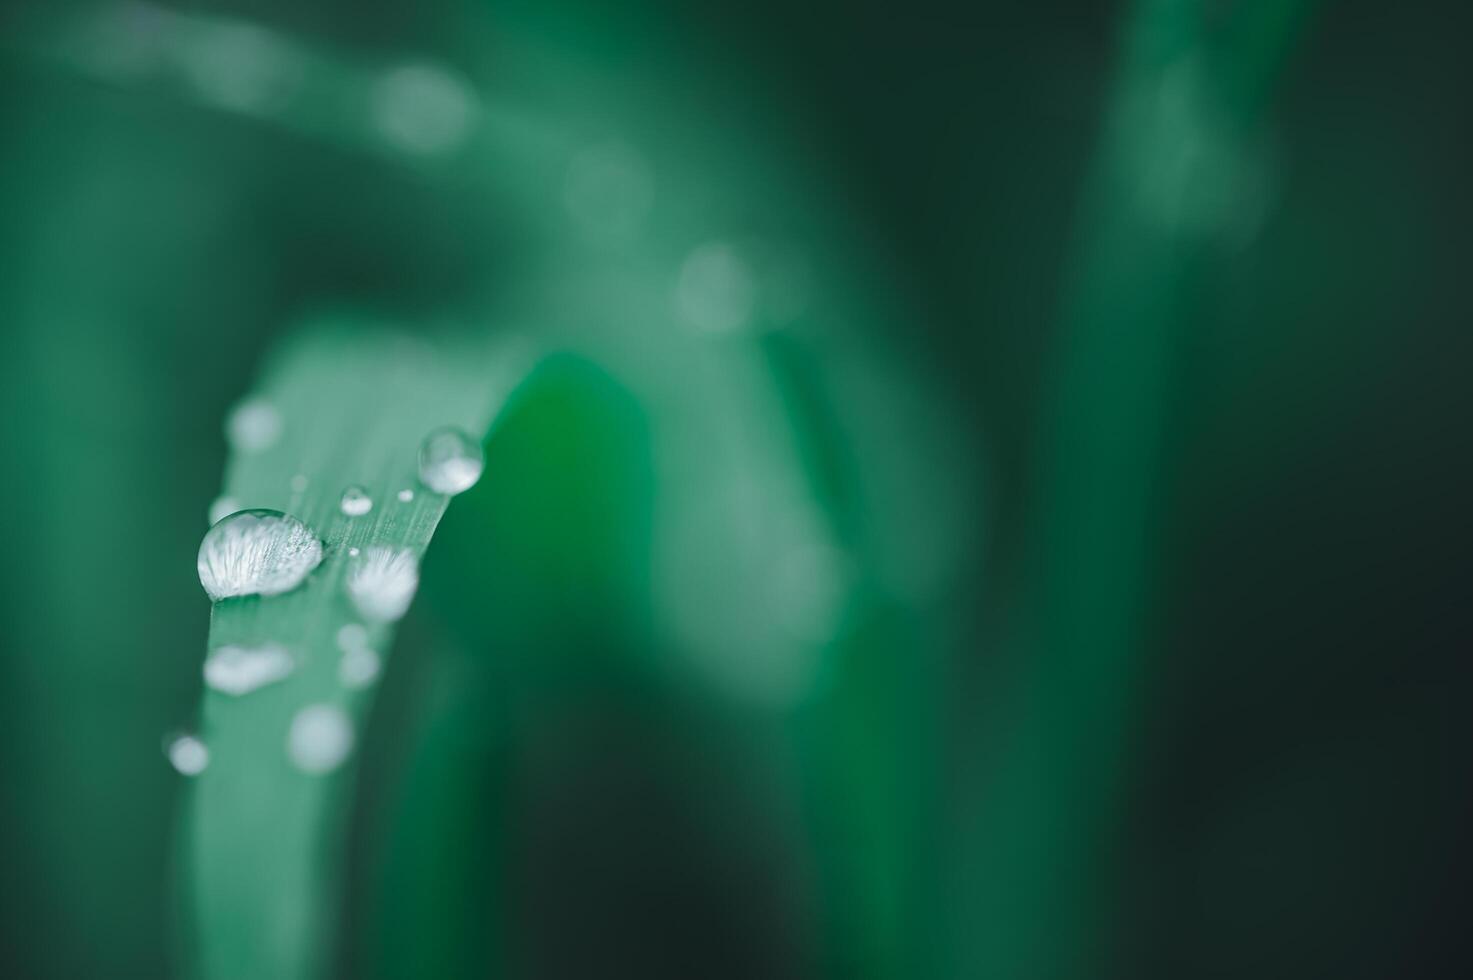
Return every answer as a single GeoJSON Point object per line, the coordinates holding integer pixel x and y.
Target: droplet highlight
{"type": "Point", "coordinates": [256, 552]}
{"type": "Point", "coordinates": [359, 667]}
{"type": "Point", "coordinates": [352, 636]}
{"type": "Point", "coordinates": [360, 664]}
{"type": "Point", "coordinates": [253, 426]}
{"type": "Point", "coordinates": [320, 738]}
{"type": "Point", "coordinates": [406, 495]}
{"type": "Point", "coordinates": [382, 582]}
{"type": "Point", "coordinates": [239, 670]}
{"type": "Point", "coordinates": [188, 755]}
{"type": "Point", "coordinates": [450, 462]}
{"type": "Point", "coordinates": [356, 502]}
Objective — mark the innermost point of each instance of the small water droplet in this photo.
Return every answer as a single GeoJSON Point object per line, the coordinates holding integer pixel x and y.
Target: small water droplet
{"type": "Point", "coordinates": [299, 483]}
{"type": "Point", "coordinates": [222, 508]}
{"type": "Point", "coordinates": [320, 738]}
{"type": "Point", "coordinates": [239, 670]}
{"type": "Point", "coordinates": [188, 754]}
{"type": "Point", "coordinates": [450, 461]}
{"type": "Point", "coordinates": [356, 502]}
{"type": "Point", "coordinates": [256, 552]}
{"type": "Point", "coordinates": [254, 426]}
{"type": "Point", "coordinates": [382, 582]}
{"type": "Point", "coordinates": [406, 495]}
{"type": "Point", "coordinates": [359, 667]}
{"type": "Point", "coordinates": [353, 552]}
{"type": "Point", "coordinates": [351, 636]}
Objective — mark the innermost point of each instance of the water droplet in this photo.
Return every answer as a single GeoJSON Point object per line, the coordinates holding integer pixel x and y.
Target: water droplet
{"type": "Point", "coordinates": [382, 582]}
{"type": "Point", "coordinates": [450, 461]}
{"type": "Point", "coordinates": [423, 109]}
{"type": "Point", "coordinates": [406, 495]}
{"type": "Point", "coordinates": [359, 667]}
{"type": "Point", "coordinates": [360, 663]}
{"type": "Point", "coordinates": [351, 636]}
{"type": "Point", "coordinates": [356, 502]}
{"type": "Point", "coordinates": [256, 552]}
{"type": "Point", "coordinates": [299, 483]}
{"type": "Point", "coordinates": [353, 552]}
{"type": "Point", "coordinates": [188, 754]}
{"type": "Point", "coordinates": [320, 738]}
{"type": "Point", "coordinates": [238, 670]}
{"type": "Point", "coordinates": [254, 426]}
{"type": "Point", "coordinates": [716, 291]}
{"type": "Point", "coordinates": [222, 508]}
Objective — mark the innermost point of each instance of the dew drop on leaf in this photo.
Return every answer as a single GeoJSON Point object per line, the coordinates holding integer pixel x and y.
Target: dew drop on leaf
{"type": "Point", "coordinates": [382, 581]}
{"type": "Point", "coordinates": [238, 670]}
{"type": "Point", "coordinates": [359, 667]}
{"type": "Point", "coordinates": [352, 635]}
{"type": "Point", "coordinates": [257, 552]}
{"type": "Point", "coordinates": [253, 426]}
{"type": "Point", "coordinates": [450, 461]}
{"type": "Point", "coordinates": [187, 754]}
{"type": "Point", "coordinates": [356, 502]}
{"type": "Point", "coordinates": [320, 738]}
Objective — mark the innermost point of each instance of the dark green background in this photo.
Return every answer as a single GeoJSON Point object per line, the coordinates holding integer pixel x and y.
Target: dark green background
{"type": "Point", "coordinates": [1293, 797]}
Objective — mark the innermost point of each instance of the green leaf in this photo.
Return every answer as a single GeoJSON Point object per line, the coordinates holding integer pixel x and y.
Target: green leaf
{"type": "Point", "coordinates": [262, 837]}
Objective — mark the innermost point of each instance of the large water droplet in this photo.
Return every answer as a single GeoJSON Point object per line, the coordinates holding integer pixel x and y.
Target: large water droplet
{"type": "Point", "coordinates": [450, 461]}
{"type": "Point", "coordinates": [257, 552]}
{"type": "Point", "coordinates": [356, 502]}
{"type": "Point", "coordinates": [320, 738]}
{"type": "Point", "coordinates": [253, 426]}
{"type": "Point", "coordinates": [382, 582]}
{"type": "Point", "coordinates": [240, 670]}
{"type": "Point", "coordinates": [187, 754]}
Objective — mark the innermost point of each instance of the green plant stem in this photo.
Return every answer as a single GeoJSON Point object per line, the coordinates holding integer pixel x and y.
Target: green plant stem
{"type": "Point", "coordinates": [1172, 175]}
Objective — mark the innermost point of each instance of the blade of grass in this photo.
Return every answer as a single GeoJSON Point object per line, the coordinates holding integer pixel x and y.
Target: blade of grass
{"type": "Point", "coordinates": [1172, 177]}
{"type": "Point", "coordinates": [263, 838]}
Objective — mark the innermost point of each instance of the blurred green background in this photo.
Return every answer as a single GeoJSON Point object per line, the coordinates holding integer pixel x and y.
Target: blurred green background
{"type": "Point", "coordinates": [991, 501]}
